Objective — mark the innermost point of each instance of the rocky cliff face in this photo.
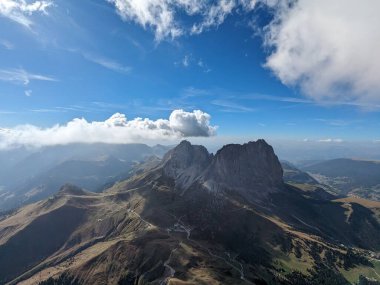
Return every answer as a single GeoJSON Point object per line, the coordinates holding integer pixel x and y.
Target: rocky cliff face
{"type": "Point", "coordinates": [234, 167]}
{"type": "Point", "coordinates": [246, 166]}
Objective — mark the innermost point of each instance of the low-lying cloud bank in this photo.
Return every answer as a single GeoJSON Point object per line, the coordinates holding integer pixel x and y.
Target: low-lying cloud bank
{"type": "Point", "coordinates": [117, 129]}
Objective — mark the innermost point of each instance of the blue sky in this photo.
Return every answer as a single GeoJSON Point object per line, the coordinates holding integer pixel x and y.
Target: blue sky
{"type": "Point", "coordinates": [93, 58]}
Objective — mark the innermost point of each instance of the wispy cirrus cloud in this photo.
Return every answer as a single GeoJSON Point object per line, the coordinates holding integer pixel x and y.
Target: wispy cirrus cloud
{"type": "Point", "coordinates": [6, 44]}
{"type": "Point", "coordinates": [6, 112]}
{"type": "Point", "coordinates": [191, 91]}
{"type": "Point", "coordinates": [336, 122]}
{"type": "Point", "coordinates": [324, 140]}
{"type": "Point", "coordinates": [186, 61]}
{"type": "Point", "coordinates": [21, 76]}
{"type": "Point", "coordinates": [214, 15]}
{"type": "Point", "coordinates": [116, 129]}
{"type": "Point", "coordinates": [107, 63]}
{"type": "Point", "coordinates": [231, 106]}
{"type": "Point", "coordinates": [20, 11]}
{"type": "Point", "coordinates": [330, 140]}
{"type": "Point", "coordinates": [298, 100]}
{"type": "Point", "coordinates": [64, 109]}
{"type": "Point", "coordinates": [190, 61]}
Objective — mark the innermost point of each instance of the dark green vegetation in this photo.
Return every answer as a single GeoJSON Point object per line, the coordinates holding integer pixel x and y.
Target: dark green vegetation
{"type": "Point", "coordinates": [63, 279]}
{"type": "Point", "coordinates": [193, 218]}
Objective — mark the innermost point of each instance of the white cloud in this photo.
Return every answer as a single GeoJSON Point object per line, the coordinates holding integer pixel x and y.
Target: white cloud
{"type": "Point", "coordinates": [20, 10]}
{"type": "Point", "coordinates": [5, 112]}
{"type": "Point", "coordinates": [329, 140]}
{"type": "Point", "coordinates": [21, 76]}
{"type": "Point", "coordinates": [330, 49]}
{"type": "Point", "coordinates": [194, 92]}
{"type": "Point", "coordinates": [6, 44]}
{"type": "Point", "coordinates": [215, 15]}
{"type": "Point", "coordinates": [28, 93]}
{"type": "Point", "coordinates": [107, 63]}
{"type": "Point", "coordinates": [186, 61]}
{"type": "Point", "coordinates": [229, 106]}
{"type": "Point", "coordinates": [190, 61]}
{"type": "Point", "coordinates": [116, 129]}
{"type": "Point", "coordinates": [156, 14]}
{"type": "Point", "coordinates": [195, 124]}
{"type": "Point", "coordinates": [162, 15]}
{"type": "Point", "coordinates": [325, 140]}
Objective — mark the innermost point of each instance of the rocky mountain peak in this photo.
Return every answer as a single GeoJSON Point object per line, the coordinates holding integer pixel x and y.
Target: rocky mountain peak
{"type": "Point", "coordinates": [251, 167]}
{"type": "Point", "coordinates": [246, 166]}
{"type": "Point", "coordinates": [185, 163]}
{"type": "Point", "coordinates": [185, 154]}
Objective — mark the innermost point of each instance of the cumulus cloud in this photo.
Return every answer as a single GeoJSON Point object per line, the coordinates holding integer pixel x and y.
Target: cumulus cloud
{"type": "Point", "coordinates": [330, 49]}
{"type": "Point", "coordinates": [20, 10]}
{"type": "Point", "coordinates": [116, 129]}
{"type": "Point", "coordinates": [21, 76]}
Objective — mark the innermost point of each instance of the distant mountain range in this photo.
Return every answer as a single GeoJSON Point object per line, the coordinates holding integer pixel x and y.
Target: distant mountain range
{"type": "Point", "coordinates": [29, 175]}
{"type": "Point", "coordinates": [348, 176]}
{"type": "Point", "coordinates": [294, 175]}
{"type": "Point", "coordinates": [195, 218]}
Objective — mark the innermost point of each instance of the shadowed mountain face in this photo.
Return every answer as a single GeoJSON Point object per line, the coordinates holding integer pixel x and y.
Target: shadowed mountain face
{"type": "Point", "coordinates": [186, 163]}
{"type": "Point", "coordinates": [249, 166]}
{"type": "Point", "coordinates": [193, 218]}
{"type": "Point", "coordinates": [234, 167]}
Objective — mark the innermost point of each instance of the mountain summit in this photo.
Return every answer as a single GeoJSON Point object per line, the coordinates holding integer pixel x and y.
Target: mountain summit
{"type": "Point", "coordinates": [251, 168]}
{"type": "Point", "coordinates": [185, 163]}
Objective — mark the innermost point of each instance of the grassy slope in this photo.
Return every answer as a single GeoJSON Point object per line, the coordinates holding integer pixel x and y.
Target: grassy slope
{"type": "Point", "coordinates": [353, 274]}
